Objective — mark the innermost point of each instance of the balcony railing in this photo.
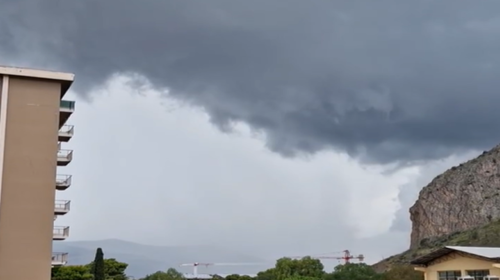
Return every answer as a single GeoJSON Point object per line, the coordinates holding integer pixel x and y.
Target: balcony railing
{"type": "Point", "coordinates": [64, 157]}
{"type": "Point", "coordinates": [62, 207]}
{"type": "Point", "coordinates": [67, 105]}
{"type": "Point", "coordinates": [59, 259]}
{"type": "Point", "coordinates": [66, 109]}
{"type": "Point", "coordinates": [63, 181]}
{"type": "Point", "coordinates": [60, 233]}
{"type": "Point", "coordinates": [65, 154]}
{"type": "Point", "coordinates": [66, 132]}
{"type": "Point", "coordinates": [67, 129]}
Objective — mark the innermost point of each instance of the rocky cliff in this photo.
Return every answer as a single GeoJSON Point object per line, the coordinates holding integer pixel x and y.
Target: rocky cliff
{"type": "Point", "coordinates": [462, 198]}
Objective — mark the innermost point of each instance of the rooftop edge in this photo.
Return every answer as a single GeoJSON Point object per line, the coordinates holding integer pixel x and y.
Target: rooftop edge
{"type": "Point", "coordinates": [66, 79]}
{"type": "Point", "coordinates": [36, 73]}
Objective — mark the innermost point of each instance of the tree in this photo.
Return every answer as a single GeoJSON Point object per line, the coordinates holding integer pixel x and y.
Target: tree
{"type": "Point", "coordinates": [97, 266]}
{"type": "Point", "coordinates": [159, 275]}
{"type": "Point", "coordinates": [170, 274]}
{"type": "Point", "coordinates": [173, 274]}
{"type": "Point", "coordinates": [353, 271]}
{"type": "Point", "coordinates": [233, 277]}
{"type": "Point", "coordinates": [245, 277]}
{"type": "Point", "coordinates": [308, 267]}
{"type": "Point", "coordinates": [266, 275]}
{"type": "Point", "coordinates": [302, 278]}
{"type": "Point", "coordinates": [402, 272]}
{"type": "Point", "coordinates": [71, 272]}
{"type": "Point", "coordinates": [113, 269]}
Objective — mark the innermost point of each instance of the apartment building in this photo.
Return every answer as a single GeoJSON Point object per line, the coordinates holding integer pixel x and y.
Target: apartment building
{"type": "Point", "coordinates": [33, 130]}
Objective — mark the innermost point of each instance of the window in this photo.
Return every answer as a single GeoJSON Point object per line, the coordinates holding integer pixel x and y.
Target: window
{"type": "Point", "coordinates": [478, 274]}
{"type": "Point", "coordinates": [449, 275]}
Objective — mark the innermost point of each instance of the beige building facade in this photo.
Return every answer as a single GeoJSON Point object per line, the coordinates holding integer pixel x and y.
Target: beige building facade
{"type": "Point", "coordinates": [32, 128]}
{"type": "Point", "coordinates": [460, 263]}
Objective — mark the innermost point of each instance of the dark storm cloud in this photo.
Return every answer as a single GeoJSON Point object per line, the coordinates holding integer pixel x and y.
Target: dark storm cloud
{"type": "Point", "coordinates": [382, 80]}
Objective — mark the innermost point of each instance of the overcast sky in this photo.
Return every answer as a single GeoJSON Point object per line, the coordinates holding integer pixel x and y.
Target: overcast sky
{"type": "Point", "coordinates": [274, 127]}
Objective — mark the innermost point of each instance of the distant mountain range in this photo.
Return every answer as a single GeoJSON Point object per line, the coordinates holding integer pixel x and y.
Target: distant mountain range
{"type": "Point", "coordinates": [147, 259]}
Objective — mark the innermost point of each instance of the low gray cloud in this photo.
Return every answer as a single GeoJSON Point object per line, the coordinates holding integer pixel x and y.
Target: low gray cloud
{"type": "Point", "coordinates": [383, 80]}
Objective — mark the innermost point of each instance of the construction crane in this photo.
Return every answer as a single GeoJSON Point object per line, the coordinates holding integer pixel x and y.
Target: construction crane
{"type": "Point", "coordinates": [196, 264]}
{"type": "Point", "coordinates": [347, 257]}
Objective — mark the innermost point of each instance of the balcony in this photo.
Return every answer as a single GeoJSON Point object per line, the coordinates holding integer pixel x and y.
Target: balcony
{"type": "Point", "coordinates": [59, 259]}
{"type": "Point", "coordinates": [63, 182]}
{"type": "Point", "coordinates": [64, 157]}
{"type": "Point", "coordinates": [65, 133]}
{"type": "Point", "coordinates": [60, 233]}
{"type": "Point", "coordinates": [62, 207]}
{"type": "Point", "coordinates": [66, 108]}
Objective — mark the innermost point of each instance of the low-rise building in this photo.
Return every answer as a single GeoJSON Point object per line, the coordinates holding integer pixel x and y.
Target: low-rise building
{"type": "Point", "coordinates": [460, 263]}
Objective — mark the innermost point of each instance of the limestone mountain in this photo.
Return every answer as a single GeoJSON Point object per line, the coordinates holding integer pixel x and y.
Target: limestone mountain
{"type": "Point", "coordinates": [459, 207]}
{"type": "Point", "coordinates": [462, 198]}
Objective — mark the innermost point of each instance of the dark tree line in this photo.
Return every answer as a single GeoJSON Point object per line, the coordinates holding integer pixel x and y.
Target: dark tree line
{"type": "Point", "coordinates": [99, 269]}
{"type": "Point", "coordinates": [285, 269]}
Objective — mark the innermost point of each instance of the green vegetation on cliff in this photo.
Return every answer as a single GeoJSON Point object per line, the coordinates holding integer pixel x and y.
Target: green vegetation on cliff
{"type": "Point", "coordinates": [485, 236]}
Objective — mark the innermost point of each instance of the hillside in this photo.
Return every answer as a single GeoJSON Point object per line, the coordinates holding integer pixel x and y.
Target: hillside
{"type": "Point", "coordinates": [488, 236]}
{"type": "Point", "coordinates": [146, 259]}
{"type": "Point", "coordinates": [464, 197]}
{"type": "Point", "coordinates": [459, 207]}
